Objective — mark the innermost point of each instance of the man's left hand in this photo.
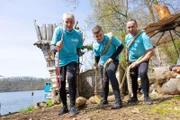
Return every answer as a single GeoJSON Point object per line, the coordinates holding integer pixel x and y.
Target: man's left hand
{"type": "Point", "coordinates": [135, 64]}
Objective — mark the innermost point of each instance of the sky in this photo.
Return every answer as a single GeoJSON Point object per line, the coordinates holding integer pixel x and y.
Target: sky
{"type": "Point", "coordinates": [18, 56]}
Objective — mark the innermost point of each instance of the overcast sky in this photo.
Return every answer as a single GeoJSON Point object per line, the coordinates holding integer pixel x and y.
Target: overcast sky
{"type": "Point", "coordinates": [18, 56]}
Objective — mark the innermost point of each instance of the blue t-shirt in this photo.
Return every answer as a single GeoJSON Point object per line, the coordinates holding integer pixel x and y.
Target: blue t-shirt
{"type": "Point", "coordinates": [72, 40]}
{"type": "Point", "coordinates": [98, 48]}
{"type": "Point", "coordinates": [139, 46]}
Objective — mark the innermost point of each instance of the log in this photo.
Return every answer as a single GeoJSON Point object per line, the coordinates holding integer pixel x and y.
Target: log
{"type": "Point", "coordinates": [44, 32]}
{"type": "Point", "coordinates": [171, 87]}
{"type": "Point", "coordinates": [49, 32]}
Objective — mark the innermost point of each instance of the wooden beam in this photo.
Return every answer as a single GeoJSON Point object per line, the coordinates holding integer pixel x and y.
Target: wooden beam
{"type": "Point", "coordinates": [49, 32]}
{"type": "Point", "coordinates": [37, 31]}
{"type": "Point", "coordinates": [44, 32]}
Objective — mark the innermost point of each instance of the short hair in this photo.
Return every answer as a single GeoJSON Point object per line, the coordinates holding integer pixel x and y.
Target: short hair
{"type": "Point", "coordinates": [97, 29]}
{"type": "Point", "coordinates": [132, 20]}
{"type": "Point", "coordinates": [68, 15]}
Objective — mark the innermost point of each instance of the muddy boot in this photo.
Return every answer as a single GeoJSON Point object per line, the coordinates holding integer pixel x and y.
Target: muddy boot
{"type": "Point", "coordinates": [73, 110]}
{"type": "Point", "coordinates": [118, 102]}
{"type": "Point", "coordinates": [63, 110]}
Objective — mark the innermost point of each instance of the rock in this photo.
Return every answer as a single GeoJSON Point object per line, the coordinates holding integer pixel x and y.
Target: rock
{"type": "Point", "coordinates": [154, 92]}
{"type": "Point", "coordinates": [176, 69]}
{"type": "Point", "coordinates": [80, 101]}
{"type": "Point", "coordinates": [171, 87]}
{"type": "Point", "coordinates": [178, 84]}
{"type": "Point", "coordinates": [91, 100]}
{"type": "Point", "coordinates": [152, 77]}
{"type": "Point", "coordinates": [178, 76]}
{"type": "Point", "coordinates": [159, 89]}
{"type": "Point", "coordinates": [135, 111]}
{"type": "Point", "coordinates": [43, 104]}
{"type": "Point", "coordinates": [152, 87]}
{"type": "Point", "coordinates": [169, 74]}
{"type": "Point", "coordinates": [40, 105]}
{"type": "Point", "coordinates": [111, 98]}
{"type": "Point", "coordinates": [160, 74]}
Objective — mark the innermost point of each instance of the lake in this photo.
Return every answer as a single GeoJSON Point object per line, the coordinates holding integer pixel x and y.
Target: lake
{"type": "Point", "coordinates": [15, 101]}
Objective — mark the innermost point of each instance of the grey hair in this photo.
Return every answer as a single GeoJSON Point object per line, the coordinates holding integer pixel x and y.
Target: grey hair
{"type": "Point", "coordinates": [68, 15]}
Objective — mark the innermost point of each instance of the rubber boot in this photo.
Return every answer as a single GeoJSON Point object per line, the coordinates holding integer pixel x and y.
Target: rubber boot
{"type": "Point", "coordinates": [118, 102]}
{"type": "Point", "coordinates": [104, 101]}
{"type": "Point", "coordinates": [147, 100]}
{"type": "Point", "coordinates": [73, 110]}
{"type": "Point", "coordinates": [63, 110]}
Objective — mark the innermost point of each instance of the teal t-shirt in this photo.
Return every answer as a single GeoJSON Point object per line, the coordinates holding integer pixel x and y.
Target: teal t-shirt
{"type": "Point", "coordinates": [139, 46]}
{"type": "Point", "coordinates": [98, 48]}
{"type": "Point", "coordinates": [72, 40]}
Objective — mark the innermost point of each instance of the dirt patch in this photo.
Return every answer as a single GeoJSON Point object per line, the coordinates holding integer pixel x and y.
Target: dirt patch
{"type": "Point", "coordinates": [164, 107]}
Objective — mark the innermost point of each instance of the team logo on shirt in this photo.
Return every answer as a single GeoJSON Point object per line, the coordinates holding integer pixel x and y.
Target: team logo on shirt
{"type": "Point", "coordinates": [137, 41]}
{"type": "Point", "coordinates": [74, 40]}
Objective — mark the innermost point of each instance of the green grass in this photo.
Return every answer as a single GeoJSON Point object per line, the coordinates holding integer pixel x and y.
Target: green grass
{"type": "Point", "coordinates": [49, 102]}
{"type": "Point", "coordinates": [165, 108]}
{"type": "Point", "coordinates": [176, 98]}
{"type": "Point", "coordinates": [31, 108]}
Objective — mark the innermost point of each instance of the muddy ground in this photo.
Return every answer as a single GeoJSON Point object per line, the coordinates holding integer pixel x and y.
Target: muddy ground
{"type": "Point", "coordinates": [164, 107]}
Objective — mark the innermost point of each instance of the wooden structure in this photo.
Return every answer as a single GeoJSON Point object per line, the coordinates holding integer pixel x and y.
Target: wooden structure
{"type": "Point", "coordinates": [85, 81]}
{"type": "Point", "coordinates": [44, 35]}
{"type": "Point", "coordinates": [166, 29]}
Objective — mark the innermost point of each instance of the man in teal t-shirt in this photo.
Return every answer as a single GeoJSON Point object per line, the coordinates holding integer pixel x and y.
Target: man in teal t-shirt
{"type": "Point", "coordinates": [140, 47]}
{"type": "Point", "coordinates": [111, 56]}
{"type": "Point", "coordinates": [67, 41]}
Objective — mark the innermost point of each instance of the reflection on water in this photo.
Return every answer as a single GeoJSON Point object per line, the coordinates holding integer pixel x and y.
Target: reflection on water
{"type": "Point", "coordinates": [15, 101]}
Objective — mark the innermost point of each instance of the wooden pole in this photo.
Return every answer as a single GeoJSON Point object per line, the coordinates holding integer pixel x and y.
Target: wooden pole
{"type": "Point", "coordinates": [37, 31]}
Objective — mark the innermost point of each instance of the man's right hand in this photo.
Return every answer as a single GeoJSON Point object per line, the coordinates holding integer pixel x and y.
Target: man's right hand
{"type": "Point", "coordinates": [59, 45]}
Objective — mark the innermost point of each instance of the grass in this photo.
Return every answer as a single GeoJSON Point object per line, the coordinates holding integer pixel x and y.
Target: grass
{"type": "Point", "coordinates": [49, 102]}
{"type": "Point", "coordinates": [31, 108]}
{"type": "Point", "coordinates": [170, 107]}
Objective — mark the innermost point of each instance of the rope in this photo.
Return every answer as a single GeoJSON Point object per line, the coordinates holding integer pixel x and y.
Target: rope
{"type": "Point", "coordinates": [129, 80]}
{"type": "Point", "coordinates": [110, 35]}
{"type": "Point", "coordinates": [127, 71]}
{"type": "Point", "coordinates": [58, 72]}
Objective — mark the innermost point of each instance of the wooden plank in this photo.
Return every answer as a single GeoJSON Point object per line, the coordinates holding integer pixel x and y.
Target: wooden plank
{"type": "Point", "coordinates": [54, 27]}
{"type": "Point", "coordinates": [49, 32]}
{"type": "Point", "coordinates": [37, 31]}
{"type": "Point", "coordinates": [44, 32]}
